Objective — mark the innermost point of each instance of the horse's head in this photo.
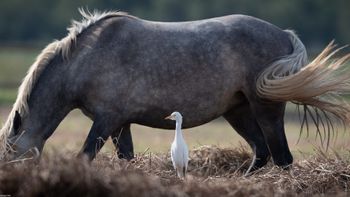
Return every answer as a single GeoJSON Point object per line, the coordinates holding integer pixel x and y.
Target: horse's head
{"type": "Point", "coordinates": [18, 144]}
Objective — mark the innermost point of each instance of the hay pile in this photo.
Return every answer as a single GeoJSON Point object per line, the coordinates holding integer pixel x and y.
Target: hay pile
{"type": "Point", "coordinates": [213, 171]}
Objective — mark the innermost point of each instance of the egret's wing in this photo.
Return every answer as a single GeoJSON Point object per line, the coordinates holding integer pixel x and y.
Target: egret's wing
{"type": "Point", "coordinates": [172, 153]}
{"type": "Point", "coordinates": [185, 155]}
{"type": "Point", "coordinates": [184, 160]}
{"type": "Point", "coordinates": [184, 169]}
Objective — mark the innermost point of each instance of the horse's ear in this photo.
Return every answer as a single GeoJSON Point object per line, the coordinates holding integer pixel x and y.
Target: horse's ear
{"type": "Point", "coordinates": [17, 121]}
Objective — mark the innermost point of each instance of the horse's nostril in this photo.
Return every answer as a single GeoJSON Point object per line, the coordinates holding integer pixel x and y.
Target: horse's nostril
{"type": "Point", "coordinates": [10, 153]}
{"type": "Point", "coordinates": [34, 152]}
{"type": "Point", "coordinates": [11, 147]}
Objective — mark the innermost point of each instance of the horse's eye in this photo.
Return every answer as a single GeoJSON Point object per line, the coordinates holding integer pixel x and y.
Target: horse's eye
{"type": "Point", "coordinates": [17, 121]}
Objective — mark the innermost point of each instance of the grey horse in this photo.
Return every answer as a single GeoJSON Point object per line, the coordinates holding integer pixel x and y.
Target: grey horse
{"type": "Point", "coordinates": [119, 69]}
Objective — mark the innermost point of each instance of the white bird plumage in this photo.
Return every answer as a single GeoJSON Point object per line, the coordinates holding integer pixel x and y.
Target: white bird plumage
{"type": "Point", "coordinates": [179, 149]}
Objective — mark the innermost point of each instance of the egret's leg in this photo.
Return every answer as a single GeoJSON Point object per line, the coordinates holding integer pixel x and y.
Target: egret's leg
{"type": "Point", "coordinates": [122, 140]}
{"type": "Point", "coordinates": [243, 121]}
{"type": "Point", "coordinates": [101, 129]}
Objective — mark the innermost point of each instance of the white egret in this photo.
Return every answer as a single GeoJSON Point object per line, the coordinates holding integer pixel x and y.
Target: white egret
{"type": "Point", "coordinates": [179, 149]}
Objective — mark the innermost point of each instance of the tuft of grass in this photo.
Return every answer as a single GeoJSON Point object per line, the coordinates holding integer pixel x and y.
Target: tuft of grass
{"type": "Point", "coordinates": [213, 171]}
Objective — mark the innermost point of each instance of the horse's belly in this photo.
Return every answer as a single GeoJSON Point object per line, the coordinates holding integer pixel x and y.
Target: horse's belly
{"type": "Point", "coordinates": [195, 112]}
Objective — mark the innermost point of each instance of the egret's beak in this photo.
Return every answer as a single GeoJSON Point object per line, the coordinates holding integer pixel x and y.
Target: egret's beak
{"type": "Point", "coordinates": [168, 117]}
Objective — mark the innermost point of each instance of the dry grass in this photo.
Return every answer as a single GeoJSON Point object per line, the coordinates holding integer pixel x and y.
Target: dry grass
{"type": "Point", "coordinates": [212, 171]}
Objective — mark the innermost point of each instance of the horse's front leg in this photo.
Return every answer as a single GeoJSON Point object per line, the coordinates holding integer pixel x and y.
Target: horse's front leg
{"type": "Point", "coordinates": [122, 140]}
{"type": "Point", "coordinates": [101, 129]}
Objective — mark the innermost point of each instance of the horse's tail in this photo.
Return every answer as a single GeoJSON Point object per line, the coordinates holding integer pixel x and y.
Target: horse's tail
{"type": "Point", "coordinates": [320, 84]}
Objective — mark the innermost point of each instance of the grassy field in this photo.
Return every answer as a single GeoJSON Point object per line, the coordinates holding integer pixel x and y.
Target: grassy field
{"type": "Point", "coordinates": [212, 171]}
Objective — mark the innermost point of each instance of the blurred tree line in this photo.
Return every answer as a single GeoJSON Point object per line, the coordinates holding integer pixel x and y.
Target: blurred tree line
{"type": "Point", "coordinates": [316, 21]}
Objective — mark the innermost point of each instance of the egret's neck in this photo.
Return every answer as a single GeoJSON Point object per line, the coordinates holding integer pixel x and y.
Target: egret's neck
{"type": "Point", "coordinates": [178, 132]}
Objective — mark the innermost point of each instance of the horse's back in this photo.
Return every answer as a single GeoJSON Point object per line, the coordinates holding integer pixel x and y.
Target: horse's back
{"type": "Point", "coordinates": [243, 35]}
{"type": "Point", "coordinates": [253, 38]}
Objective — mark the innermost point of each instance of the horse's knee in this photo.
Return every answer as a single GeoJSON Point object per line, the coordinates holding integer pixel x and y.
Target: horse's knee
{"type": "Point", "coordinates": [262, 156]}
{"type": "Point", "coordinates": [278, 147]}
{"type": "Point", "coordinates": [92, 146]}
{"type": "Point", "coordinates": [284, 159]}
{"type": "Point", "coordinates": [101, 129]}
{"type": "Point", "coordinates": [122, 140]}
{"type": "Point", "coordinates": [125, 153]}
{"type": "Point", "coordinates": [260, 159]}
{"type": "Point", "coordinates": [125, 148]}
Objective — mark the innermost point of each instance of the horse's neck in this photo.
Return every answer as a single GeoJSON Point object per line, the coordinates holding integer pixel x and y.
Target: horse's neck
{"type": "Point", "coordinates": [47, 104]}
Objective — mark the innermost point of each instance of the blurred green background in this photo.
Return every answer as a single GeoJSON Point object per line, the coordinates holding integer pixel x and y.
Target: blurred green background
{"type": "Point", "coordinates": [27, 26]}
{"type": "Point", "coordinates": [317, 21]}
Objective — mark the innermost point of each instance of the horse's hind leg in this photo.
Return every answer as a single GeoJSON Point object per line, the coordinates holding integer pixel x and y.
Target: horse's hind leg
{"type": "Point", "coordinates": [101, 129]}
{"type": "Point", "coordinates": [269, 116]}
{"type": "Point", "coordinates": [122, 141]}
{"type": "Point", "coordinates": [243, 121]}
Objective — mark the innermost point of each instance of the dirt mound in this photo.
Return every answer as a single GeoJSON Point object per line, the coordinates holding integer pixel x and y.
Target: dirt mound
{"type": "Point", "coordinates": [213, 171]}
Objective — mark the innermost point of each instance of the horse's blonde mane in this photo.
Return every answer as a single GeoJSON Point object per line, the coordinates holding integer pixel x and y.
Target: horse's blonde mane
{"type": "Point", "coordinates": [63, 47]}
